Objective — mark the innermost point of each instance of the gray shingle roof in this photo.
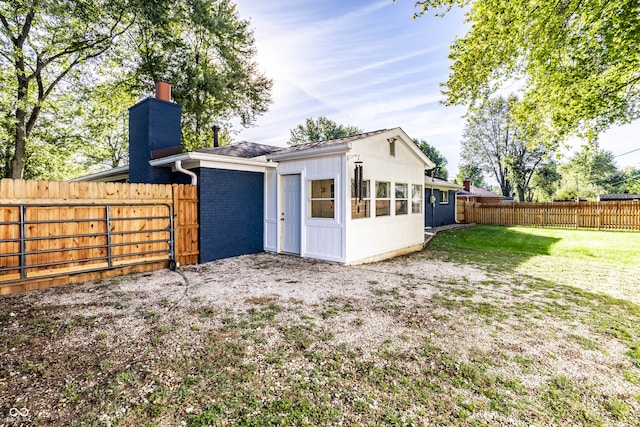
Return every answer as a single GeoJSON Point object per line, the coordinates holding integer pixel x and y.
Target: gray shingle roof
{"type": "Point", "coordinates": [330, 142]}
{"type": "Point", "coordinates": [244, 149]}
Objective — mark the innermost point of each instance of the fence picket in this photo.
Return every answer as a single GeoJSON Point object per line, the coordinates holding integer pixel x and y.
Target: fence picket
{"type": "Point", "coordinates": [609, 215]}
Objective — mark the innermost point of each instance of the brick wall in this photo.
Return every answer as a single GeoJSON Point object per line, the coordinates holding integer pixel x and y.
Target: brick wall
{"type": "Point", "coordinates": [231, 213]}
{"type": "Point", "coordinates": [444, 214]}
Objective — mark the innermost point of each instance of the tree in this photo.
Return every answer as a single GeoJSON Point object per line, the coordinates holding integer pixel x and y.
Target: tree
{"type": "Point", "coordinates": [44, 42]}
{"type": "Point", "coordinates": [545, 181]}
{"type": "Point", "coordinates": [588, 173]}
{"type": "Point", "coordinates": [473, 173]}
{"type": "Point", "coordinates": [210, 65]}
{"type": "Point", "coordinates": [578, 61]}
{"type": "Point", "coordinates": [493, 141]}
{"type": "Point", "coordinates": [320, 129]}
{"type": "Point", "coordinates": [63, 46]}
{"type": "Point", "coordinates": [440, 171]}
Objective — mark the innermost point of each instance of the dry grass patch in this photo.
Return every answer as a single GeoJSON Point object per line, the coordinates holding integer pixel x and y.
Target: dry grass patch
{"type": "Point", "coordinates": [418, 340]}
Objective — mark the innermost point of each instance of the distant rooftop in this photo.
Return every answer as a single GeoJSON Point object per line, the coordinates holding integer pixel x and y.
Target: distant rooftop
{"type": "Point", "coordinates": [244, 149]}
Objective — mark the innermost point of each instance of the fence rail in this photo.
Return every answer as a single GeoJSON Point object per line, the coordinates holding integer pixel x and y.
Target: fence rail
{"type": "Point", "coordinates": [55, 233]}
{"type": "Point", "coordinates": [610, 215]}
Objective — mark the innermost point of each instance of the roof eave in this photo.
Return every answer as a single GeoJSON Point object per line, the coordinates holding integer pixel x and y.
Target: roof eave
{"type": "Point", "coordinates": [170, 160]}
{"type": "Point", "coordinates": [311, 152]}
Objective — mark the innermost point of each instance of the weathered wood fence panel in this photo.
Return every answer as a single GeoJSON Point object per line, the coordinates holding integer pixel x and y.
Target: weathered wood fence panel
{"type": "Point", "coordinates": [609, 215]}
{"type": "Point", "coordinates": [55, 233]}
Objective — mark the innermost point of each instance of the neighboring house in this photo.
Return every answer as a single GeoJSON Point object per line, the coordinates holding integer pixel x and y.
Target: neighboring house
{"type": "Point", "coordinates": [349, 200]}
{"type": "Point", "coordinates": [617, 197]}
{"type": "Point", "coordinates": [440, 202]}
{"type": "Point", "coordinates": [471, 193]}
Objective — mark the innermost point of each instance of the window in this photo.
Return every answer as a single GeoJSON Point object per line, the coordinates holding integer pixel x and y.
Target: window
{"type": "Point", "coordinates": [360, 208]}
{"type": "Point", "coordinates": [322, 198]}
{"type": "Point", "coordinates": [402, 199]}
{"type": "Point", "coordinates": [383, 199]}
{"type": "Point", "coordinates": [444, 197]}
{"type": "Point", "coordinates": [416, 198]}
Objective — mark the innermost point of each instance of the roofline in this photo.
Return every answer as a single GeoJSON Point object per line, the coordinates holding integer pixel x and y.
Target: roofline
{"type": "Point", "coordinates": [412, 146]}
{"type": "Point", "coordinates": [341, 148]}
{"type": "Point", "coordinates": [431, 184]}
{"type": "Point", "coordinates": [192, 155]}
{"type": "Point", "coordinates": [103, 174]}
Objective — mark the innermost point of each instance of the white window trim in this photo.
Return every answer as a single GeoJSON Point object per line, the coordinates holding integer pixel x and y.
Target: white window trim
{"type": "Point", "coordinates": [444, 195]}
{"type": "Point", "coordinates": [396, 199]}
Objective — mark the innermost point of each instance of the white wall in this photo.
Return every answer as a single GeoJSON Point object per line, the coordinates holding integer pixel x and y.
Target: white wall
{"type": "Point", "coordinates": [370, 237]}
{"type": "Point", "coordinates": [343, 239]}
{"type": "Point", "coordinates": [321, 238]}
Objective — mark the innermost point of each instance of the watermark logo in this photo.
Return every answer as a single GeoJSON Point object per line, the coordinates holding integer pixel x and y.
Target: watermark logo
{"type": "Point", "coordinates": [15, 412]}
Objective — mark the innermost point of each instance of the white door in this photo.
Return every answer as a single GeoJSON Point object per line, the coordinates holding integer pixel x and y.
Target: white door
{"type": "Point", "coordinates": [290, 214]}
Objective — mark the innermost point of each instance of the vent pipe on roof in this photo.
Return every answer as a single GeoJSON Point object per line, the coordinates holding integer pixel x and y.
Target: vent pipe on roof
{"type": "Point", "coordinates": [163, 91]}
{"type": "Point", "coordinates": [216, 130]}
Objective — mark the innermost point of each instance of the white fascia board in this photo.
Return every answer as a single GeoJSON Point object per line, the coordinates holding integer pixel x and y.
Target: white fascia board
{"type": "Point", "coordinates": [438, 185]}
{"type": "Point", "coordinates": [311, 152]}
{"type": "Point", "coordinates": [195, 160]}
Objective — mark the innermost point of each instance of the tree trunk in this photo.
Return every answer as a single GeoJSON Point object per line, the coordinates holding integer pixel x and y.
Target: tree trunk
{"type": "Point", "coordinates": [16, 168]}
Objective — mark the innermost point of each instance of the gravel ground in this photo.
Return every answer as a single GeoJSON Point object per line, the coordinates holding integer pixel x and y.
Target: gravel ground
{"type": "Point", "coordinates": [489, 348]}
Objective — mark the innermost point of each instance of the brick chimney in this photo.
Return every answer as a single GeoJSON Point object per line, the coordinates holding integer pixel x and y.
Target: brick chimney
{"type": "Point", "coordinates": [466, 184]}
{"type": "Point", "coordinates": [154, 132]}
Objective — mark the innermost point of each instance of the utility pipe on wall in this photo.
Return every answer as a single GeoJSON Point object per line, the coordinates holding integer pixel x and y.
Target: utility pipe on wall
{"type": "Point", "coordinates": [179, 168]}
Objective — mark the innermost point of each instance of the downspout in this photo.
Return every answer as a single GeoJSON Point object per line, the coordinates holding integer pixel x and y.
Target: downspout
{"type": "Point", "coordinates": [433, 203]}
{"type": "Point", "coordinates": [179, 168]}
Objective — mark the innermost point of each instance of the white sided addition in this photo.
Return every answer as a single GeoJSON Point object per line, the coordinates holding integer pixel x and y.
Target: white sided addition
{"type": "Point", "coordinates": [350, 200]}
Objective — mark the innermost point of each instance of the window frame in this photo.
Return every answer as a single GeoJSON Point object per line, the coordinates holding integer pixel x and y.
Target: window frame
{"type": "Point", "coordinates": [419, 201]}
{"type": "Point", "coordinates": [366, 199]}
{"type": "Point", "coordinates": [444, 197]}
{"type": "Point", "coordinates": [380, 201]}
{"type": "Point", "coordinates": [401, 203]}
{"type": "Point", "coordinates": [313, 199]}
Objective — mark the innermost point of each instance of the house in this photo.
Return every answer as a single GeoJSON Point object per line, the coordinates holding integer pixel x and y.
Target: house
{"type": "Point", "coordinates": [471, 193]}
{"type": "Point", "coordinates": [440, 202]}
{"type": "Point", "coordinates": [348, 200]}
{"type": "Point", "coordinates": [617, 197]}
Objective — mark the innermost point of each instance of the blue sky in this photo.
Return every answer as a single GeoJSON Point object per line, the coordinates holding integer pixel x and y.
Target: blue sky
{"type": "Point", "coordinates": [368, 64]}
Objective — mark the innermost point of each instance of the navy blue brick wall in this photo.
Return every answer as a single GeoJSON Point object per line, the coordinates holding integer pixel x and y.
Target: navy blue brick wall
{"type": "Point", "coordinates": [444, 214]}
{"type": "Point", "coordinates": [231, 213]}
{"type": "Point", "coordinates": [153, 124]}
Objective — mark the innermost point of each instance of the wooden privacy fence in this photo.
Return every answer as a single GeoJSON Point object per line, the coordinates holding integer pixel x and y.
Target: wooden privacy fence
{"type": "Point", "coordinates": [54, 233]}
{"type": "Point", "coordinates": [623, 215]}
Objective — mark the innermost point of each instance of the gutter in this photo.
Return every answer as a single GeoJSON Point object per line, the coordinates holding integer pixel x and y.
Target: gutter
{"type": "Point", "coordinates": [179, 168]}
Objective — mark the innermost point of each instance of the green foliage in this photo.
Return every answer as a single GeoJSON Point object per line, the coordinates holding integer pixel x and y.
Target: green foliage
{"type": "Point", "coordinates": [320, 129]}
{"type": "Point", "coordinates": [472, 172]}
{"type": "Point", "coordinates": [207, 53]}
{"type": "Point", "coordinates": [590, 172]}
{"type": "Point", "coordinates": [58, 58]}
{"type": "Point", "coordinates": [578, 61]}
{"type": "Point", "coordinates": [440, 171]}
{"type": "Point", "coordinates": [494, 142]}
{"type": "Point", "coordinates": [545, 182]}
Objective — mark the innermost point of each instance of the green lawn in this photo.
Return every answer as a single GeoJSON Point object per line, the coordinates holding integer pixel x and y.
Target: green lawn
{"type": "Point", "coordinates": [599, 261]}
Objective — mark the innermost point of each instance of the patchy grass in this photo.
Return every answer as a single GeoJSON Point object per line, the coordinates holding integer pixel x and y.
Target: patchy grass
{"type": "Point", "coordinates": [418, 340]}
{"type": "Point", "coordinates": [596, 261]}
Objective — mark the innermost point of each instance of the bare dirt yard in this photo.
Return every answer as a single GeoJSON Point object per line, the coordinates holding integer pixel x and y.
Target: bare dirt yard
{"type": "Point", "coordinates": [275, 340]}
